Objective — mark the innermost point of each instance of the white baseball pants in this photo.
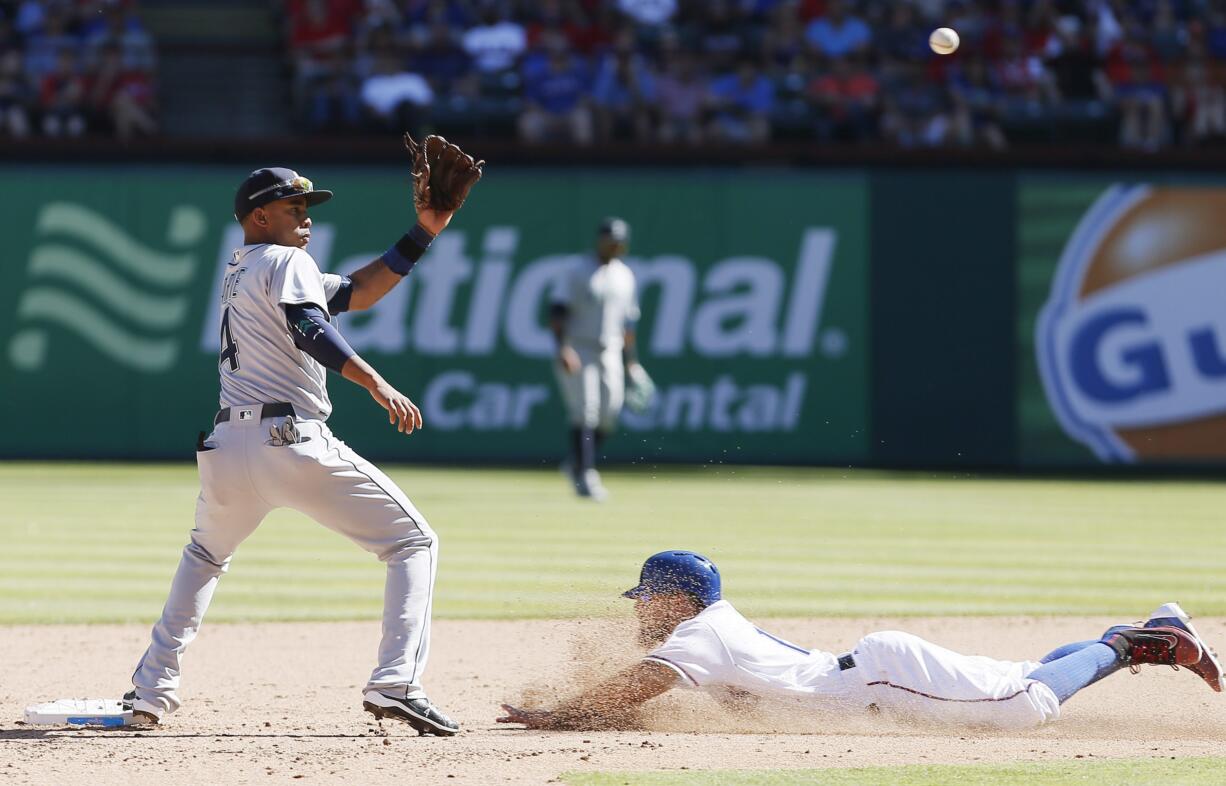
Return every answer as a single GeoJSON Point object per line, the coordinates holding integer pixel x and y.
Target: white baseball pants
{"type": "Point", "coordinates": [243, 476]}
{"type": "Point", "coordinates": [913, 679]}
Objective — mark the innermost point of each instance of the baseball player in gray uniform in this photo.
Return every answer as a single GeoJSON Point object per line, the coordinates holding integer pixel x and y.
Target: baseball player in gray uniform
{"type": "Point", "coordinates": [593, 314]}
{"type": "Point", "coordinates": [271, 447]}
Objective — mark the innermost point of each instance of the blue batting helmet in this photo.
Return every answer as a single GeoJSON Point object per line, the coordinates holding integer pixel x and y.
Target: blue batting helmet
{"type": "Point", "coordinates": [678, 571]}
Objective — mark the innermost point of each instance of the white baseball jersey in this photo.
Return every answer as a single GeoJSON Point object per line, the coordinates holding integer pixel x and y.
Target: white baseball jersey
{"type": "Point", "coordinates": [601, 299]}
{"type": "Point", "coordinates": [720, 648]}
{"type": "Point", "coordinates": [897, 673]}
{"type": "Point", "coordinates": [259, 362]}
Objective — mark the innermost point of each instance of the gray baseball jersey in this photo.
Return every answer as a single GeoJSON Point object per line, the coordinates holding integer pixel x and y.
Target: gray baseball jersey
{"type": "Point", "coordinates": [601, 300]}
{"type": "Point", "coordinates": [259, 362]}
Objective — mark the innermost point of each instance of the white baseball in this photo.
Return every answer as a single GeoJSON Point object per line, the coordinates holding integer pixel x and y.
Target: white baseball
{"type": "Point", "coordinates": [943, 41]}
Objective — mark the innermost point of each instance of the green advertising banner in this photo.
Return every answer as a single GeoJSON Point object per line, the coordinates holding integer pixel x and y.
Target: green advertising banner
{"type": "Point", "coordinates": [1122, 330]}
{"type": "Point", "coordinates": [753, 287]}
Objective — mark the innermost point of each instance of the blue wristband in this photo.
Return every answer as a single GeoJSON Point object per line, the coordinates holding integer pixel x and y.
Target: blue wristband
{"type": "Point", "coordinates": [405, 252]}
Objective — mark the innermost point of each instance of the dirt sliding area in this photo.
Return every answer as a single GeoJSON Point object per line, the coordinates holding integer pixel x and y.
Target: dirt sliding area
{"type": "Point", "coordinates": [267, 703]}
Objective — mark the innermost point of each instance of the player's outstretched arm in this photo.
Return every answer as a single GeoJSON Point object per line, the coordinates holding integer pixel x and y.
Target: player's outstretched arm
{"type": "Point", "coordinates": [443, 175]}
{"type": "Point", "coordinates": [609, 705]}
{"type": "Point", "coordinates": [370, 283]}
{"type": "Point", "coordinates": [401, 412]}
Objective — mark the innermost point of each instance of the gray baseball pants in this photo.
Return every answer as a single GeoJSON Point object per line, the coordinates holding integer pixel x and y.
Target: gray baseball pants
{"type": "Point", "coordinates": [244, 474]}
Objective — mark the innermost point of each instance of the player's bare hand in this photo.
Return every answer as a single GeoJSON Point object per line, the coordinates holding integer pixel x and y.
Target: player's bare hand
{"type": "Point", "coordinates": [434, 221]}
{"type": "Point", "coordinates": [533, 719]}
{"type": "Point", "coordinates": [568, 359]}
{"type": "Point", "coordinates": [401, 412]}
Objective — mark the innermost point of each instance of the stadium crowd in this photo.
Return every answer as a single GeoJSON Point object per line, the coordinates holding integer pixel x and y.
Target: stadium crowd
{"type": "Point", "coordinates": [70, 68]}
{"type": "Point", "coordinates": [1145, 73]}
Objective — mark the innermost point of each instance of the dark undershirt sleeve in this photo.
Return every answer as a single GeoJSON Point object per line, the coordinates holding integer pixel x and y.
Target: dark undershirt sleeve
{"type": "Point", "coordinates": [316, 336]}
{"type": "Point", "coordinates": [340, 301]}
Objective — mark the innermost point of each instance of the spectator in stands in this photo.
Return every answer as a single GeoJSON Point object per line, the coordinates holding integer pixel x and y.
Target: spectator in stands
{"type": "Point", "coordinates": [332, 102]}
{"type": "Point", "coordinates": [122, 28]}
{"type": "Point", "coordinates": [31, 17]}
{"type": "Point", "coordinates": [1075, 70]}
{"type": "Point", "coordinates": [904, 38]}
{"type": "Point", "coordinates": [1022, 81]}
{"type": "Point", "coordinates": [1199, 102]}
{"type": "Point", "coordinates": [319, 39]}
{"type": "Point", "coordinates": [556, 104]}
{"type": "Point", "coordinates": [648, 13]}
{"type": "Point", "coordinates": [558, 16]}
{"type": "Point", "coordinates": [319, 28]}
{"type": "Point", "coordinates": [838, 33]}
{"type": "Point", "coordinates": [45, 43]}
{"type": "Point", "coordinates": [975, 112]}
{"type": "Point", "coordinates": [496, 43]}
{"type": "Point", "coordinates": [722, 36]}
{"type": "Point", "coordinates": [601, 24]}
{"type": "Point", "coordinates": [418, 16]}
{"type": "Point", "coordinates": [1168, 38]}
{"type": "Point", "coordinates": [681, 100]}
{"type": "Point", "coordinates": [62, 98]}
{"type": "Point", "coordinates": [443, 63]}
{"type": "Point", "coordinates": [783, 39]}
{"type": "Point", "coordinates": [121, 95]}
{"type": "Point", "coordinates": [914, 109]}
{"type": "Point", "coordinates": [847, 98]}
{"type": "Point", "coordinates": [1137, 83]}
{"type": "Point", "coordinates": [15, 95]}
{"type": "Point", "coordinates": [741, 103]}
{"type": "Point", "coordinates": [395, 98]}
{"type": "Point", "coordinates": [1215, 27]}
{"type": "Point", "coordinates": [623, 91]}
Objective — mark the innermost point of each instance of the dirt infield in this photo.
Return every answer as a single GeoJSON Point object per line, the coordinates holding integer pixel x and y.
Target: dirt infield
{"type": "Point", "coordinates": [271, 703]}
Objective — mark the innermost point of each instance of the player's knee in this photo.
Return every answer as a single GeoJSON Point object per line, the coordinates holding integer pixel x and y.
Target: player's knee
{"type": "Point", "coordinates": [414, 538]}
{"type": "Point", "coordinates": [208, 551]}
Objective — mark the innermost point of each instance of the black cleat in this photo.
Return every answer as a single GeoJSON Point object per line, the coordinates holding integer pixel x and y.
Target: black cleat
{"type": "Point", "coordinates": [418, 713]}
{"type": "Point", "coordinates": [139, 717]}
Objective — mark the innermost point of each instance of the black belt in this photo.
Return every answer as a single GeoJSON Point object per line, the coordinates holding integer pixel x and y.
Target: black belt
{"type": "Point", "coordinates": [277, 410]}
{"type": "Point", "coordinates": [846, 662]}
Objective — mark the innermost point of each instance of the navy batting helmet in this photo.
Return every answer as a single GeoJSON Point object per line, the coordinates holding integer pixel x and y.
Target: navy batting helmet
{"type": "Point", "coordinates": [678, 571]}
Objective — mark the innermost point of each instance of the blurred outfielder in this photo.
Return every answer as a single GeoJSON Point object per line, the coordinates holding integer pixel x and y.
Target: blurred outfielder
{"type": "Point", "coordinates": [698, 640]}
{"type": "Point", "coordinates": [594, 311]}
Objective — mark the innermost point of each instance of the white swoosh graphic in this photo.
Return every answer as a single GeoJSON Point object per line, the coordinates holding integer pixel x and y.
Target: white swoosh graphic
{"type": "Point", "coordinates": [89, 227]}
{"type": "Point", "coordinates": [146, 310]}
{"type": "Point", "coordinates": [72, 312]}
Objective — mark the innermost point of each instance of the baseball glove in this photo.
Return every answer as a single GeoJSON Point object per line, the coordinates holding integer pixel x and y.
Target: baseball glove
{"type": "Point", "coordinates": [443, 174]}
{"type": "Point", "coordinates": [641, 391]}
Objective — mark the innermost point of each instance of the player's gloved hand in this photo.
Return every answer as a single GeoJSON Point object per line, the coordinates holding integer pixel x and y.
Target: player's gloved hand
{"type": "Point", "coordinates": [533, 719]}
{"type": "Point", "coordinates": [641, 390]}
{"type": "Point", "coordinates": [568, 359]}
{"type": "Point", "coordinates": [401, 412]}
{"type": "Point", "coordinates": [443, 174]}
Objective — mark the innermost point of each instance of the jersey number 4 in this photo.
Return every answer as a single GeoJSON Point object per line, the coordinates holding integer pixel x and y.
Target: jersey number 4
{"type": "Point", "coordinates": [229, 348]}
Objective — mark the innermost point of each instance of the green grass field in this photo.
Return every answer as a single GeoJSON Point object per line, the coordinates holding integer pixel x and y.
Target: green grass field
{"type": "Point", "coordinates": [99, 543]}
{"type": "Point", "coordinates": [1185, 772]}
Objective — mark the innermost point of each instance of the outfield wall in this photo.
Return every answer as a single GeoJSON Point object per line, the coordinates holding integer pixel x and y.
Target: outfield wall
{"type": "Point", "coordinates": [919, 318]}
